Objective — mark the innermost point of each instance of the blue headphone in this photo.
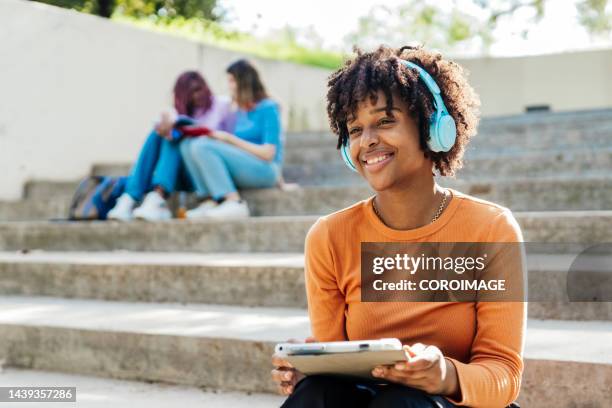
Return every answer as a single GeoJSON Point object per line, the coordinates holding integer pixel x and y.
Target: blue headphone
{"type": "Point", "coordinates": [442, 128]}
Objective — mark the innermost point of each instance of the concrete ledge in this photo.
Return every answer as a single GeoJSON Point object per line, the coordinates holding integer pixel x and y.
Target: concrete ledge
{"type": "Point", "coordinates": [229, 348]}
{"type": "Point", "coordinates": [266, 279]}
{"type": "Point", "coordinates": [539, 194]}
{"type": "Point", "coordinates": [550, 164]}
{"type": "Point", "coordinates": [475, 152]}
{"type": "Point", "coordinates": [34, 209]}
{"type": "Point", "coordinates": [513, 161]}
{"type": "Point", "coordinates": [209, 346]}
{"type": "Point", "coordinates": [256, 234]}
{"type": "Point", "coordinates": [533, 129]}
{"type": "Point", "coordinates": [46, 189]}
{"type": "Point", "coordinates": [565, 384]}
{"type": "Point", "coordinates": [519, 195]}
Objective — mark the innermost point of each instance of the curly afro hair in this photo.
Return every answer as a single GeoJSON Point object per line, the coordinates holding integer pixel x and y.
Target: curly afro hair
{"type": "Point", "coordinates": [381, 70]}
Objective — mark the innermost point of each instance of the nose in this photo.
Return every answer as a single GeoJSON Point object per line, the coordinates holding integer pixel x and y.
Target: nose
{"type": "Point", "coordinates": [369, 138]}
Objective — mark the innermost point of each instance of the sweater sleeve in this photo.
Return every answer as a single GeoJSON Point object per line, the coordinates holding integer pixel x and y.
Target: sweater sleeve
{"type": "Point", "coordinates": [326, 304]}
{"type": "Point", "coordinates": [492, 378]}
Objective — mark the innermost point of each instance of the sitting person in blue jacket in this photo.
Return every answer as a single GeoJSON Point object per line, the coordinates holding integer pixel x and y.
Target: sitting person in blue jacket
{"type": "Point", "coordinates": [160, 170]}
{"type": "Point", "coordinates": [250, 157]}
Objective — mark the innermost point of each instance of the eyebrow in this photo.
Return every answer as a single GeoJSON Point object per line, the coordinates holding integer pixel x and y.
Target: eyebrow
{"type": "Point", "coordinates": [384, 109]}
{"type": "Point", "coordinates": [376, 110]}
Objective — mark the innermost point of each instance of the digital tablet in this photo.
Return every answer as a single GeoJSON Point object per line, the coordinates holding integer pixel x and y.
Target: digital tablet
{"type": "Point", "coordinates": [354, 358]}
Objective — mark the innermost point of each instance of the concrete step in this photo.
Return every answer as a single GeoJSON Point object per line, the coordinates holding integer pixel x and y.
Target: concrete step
{"type": "Point", "coordinates": [570, 163]}
{"type": "Point", "coordinates": [229, 348]}
{"type": "Point", "coordinates": [331, 173]}
{"type": "Point", "coordinates": [536, 194]}
{"type": "Point", "coordinates": [476, 155]}
{"type": "Point", "coordinates": [46, 189]}
{"type": "Point", "coordinates": [219, 347]}
{"type": "Point", "coordinates": [266, 279]}
{"type": "Point", "coordinates": [539, 194]}
{"type": "Point", "coordinates": [255, 234]}
{"type": "Point", "coordinates": [111, 169]}
{"type": "Point", "coordinates": [311, 173]}
{"type": "Point", "coordinates": [488, 140]}
{"type": "Point", "coordinates": [320, 165]}
{"type": "Point", "coordinates": [532, 130]}
{"type": "Point", "coordinates": [242, 279]}
{"type": "Point", "coordinates": [53, 207]}
{"type": "Point", "coordinates": [585, 116]}
{"type": "Point", "coordinates": [97, 392]}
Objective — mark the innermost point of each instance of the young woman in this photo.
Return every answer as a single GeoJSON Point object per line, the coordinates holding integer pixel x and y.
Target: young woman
{"type": "Point", "coordinates": [382, 106]}
{"type": "Point", "coordinates": [159, 168]}
{"type": "Point", "coordinates": [250, 157]}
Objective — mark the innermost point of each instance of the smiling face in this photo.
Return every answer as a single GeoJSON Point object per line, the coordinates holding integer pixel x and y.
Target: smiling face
{"type": "Point", "coordinates": [385, 148]}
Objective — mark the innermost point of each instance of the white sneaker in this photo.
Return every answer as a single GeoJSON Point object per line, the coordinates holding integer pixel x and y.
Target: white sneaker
{"type": "Point", "coordinates": [122, 211]}
{"type": "Point", "coordinates": [229, 209]}
{"type": "Point", "coordinates": [201, 210]}
{"type": "Point", "coordinates": [153, 208]}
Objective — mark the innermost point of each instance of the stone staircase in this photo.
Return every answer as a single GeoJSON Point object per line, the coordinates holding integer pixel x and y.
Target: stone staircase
{"type": "Point", "coordinates": [203, 303]}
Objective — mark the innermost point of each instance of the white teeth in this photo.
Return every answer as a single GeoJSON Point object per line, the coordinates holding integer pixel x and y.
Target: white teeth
{"type": "Point", "coordinates": [377, 159]}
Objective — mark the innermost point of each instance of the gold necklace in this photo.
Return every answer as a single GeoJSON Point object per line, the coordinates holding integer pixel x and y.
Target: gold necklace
{"type": "Point", "coordinates": [435, 217]}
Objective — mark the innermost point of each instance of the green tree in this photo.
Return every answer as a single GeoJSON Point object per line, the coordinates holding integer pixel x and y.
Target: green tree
{"type": "Point", "coordinates": [596, 16]}
{"type": "Point", "coordinates": [206, 9]}
{"type": "Point", "coordinates": [416, 19]}
{"type": "Point", "coordinates": [453, 28]}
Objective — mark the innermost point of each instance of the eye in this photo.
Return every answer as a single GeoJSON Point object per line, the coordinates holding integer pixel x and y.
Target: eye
{"type": "Point", "coordinates": [354, 131]}
{"type": "Point", "coordinates": [386, 121]}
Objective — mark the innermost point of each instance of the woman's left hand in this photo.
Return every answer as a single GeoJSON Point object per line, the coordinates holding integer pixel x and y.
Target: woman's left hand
{"type": "Point", "coordinates": [425, 369]}
{"type": "Point", "coordinates": [222, 136]}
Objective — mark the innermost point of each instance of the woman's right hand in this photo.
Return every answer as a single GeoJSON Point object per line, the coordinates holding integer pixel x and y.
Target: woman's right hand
{"type": "Point", "coordinates": [164, 127]}
{"type": "Point", "coordinates": [284, 374]}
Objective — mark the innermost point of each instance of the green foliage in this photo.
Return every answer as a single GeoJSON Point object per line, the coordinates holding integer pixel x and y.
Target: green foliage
{"type": "Point", "coordinates": [283, 47]}
{"type": "Point", "coordinates": [72, 4]}
{"type": "Point", "coordinates": [195, 19]}
{"type": "Point", "coordinates": [593, 15]}
{"type": "Point", "coordinates": [448, 28]}
{"type": "Point", "coordinates": [426, 21]}
{"type": "Point", "coordinates": [169, 8]}
{"type": "Point", "coordinates": [142, 8]}
{"type": "Point", "coordinates": [420, 20]}
{"type": "Point", "coordinates": [459, 28]}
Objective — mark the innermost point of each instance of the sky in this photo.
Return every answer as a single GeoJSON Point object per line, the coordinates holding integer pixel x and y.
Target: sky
{"type": "Point", "coordinates": [558, 31]}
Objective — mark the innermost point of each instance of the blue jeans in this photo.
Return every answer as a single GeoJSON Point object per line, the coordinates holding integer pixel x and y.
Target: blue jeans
{"type": "Point", "coordinates": [218, 168]}
{"type": "Point", "coordinates": [159, 164]}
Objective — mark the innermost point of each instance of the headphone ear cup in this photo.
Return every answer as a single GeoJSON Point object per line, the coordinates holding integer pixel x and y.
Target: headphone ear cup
{"type": "Point", "coordinates": [447, 132]}
{"type": "Point", "coordinates": [433, 137]}
{"type": "Point", "coordinates": [346, 156]}
{"type": "Point", "coordinates": [442, 133]}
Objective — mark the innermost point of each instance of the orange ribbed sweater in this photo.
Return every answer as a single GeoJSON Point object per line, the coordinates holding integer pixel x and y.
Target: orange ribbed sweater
{"type": "Point", "coordinates": [484, 340]}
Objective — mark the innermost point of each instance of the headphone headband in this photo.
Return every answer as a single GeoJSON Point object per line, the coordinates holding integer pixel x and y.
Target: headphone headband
{"type": "Point", "coordinates": [430, 83]}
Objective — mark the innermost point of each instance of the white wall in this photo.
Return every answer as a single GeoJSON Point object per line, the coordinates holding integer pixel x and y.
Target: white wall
{"type": "Point", "coordinates": [568, 81]}
{"type": "Point", "coordinates": [76, 89]}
